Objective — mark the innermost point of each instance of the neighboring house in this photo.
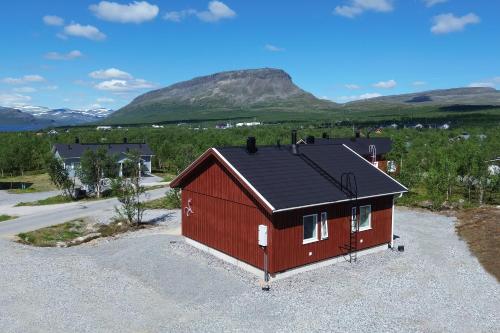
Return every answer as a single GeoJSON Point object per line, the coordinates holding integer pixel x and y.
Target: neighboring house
{"type": "Point", "coordinates": [71, 154]}
{"type": "Point", "coordinates": [375, 150]}
{"type": "Point", "coordinates": [305, 204]}
{"type": "Point", "coordinates": [104, 128]}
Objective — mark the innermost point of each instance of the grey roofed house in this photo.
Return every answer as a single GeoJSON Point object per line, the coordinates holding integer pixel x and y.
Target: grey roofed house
{"type": "Point", "coordinates": [70, 154]}
{"type": "Point", "coordinates": [359, 145]}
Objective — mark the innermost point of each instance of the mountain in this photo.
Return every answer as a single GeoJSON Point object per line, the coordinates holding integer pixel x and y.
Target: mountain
{"type": "Point", "coordinates": [222, 95]}
{"type": "Point", "coordinates": [30, 117]}
{"type": "Point", "coordinates": [66, 116]}
{"type": "Point", "coordinates": [458, 97]}
{"type": "Point", "coordinates": [13, 119]}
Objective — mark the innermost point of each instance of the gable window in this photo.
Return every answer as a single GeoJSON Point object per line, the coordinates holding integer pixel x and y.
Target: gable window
{"type": "Point", "coordinates": [324, 225]}
{"type": "Point", "coordinates": [310, 224]}
{"type": "Point", "coordinates": [354, 219]}
{"type": "Point", "coordinates": [365, 217]}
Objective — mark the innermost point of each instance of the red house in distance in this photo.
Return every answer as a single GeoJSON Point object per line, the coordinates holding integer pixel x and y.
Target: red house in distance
{"type": "Point", "coordinates": [318, 203]}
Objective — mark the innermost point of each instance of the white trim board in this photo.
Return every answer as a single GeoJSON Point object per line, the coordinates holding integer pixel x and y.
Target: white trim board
{"type": "Point", "coordinates": [278, 276]}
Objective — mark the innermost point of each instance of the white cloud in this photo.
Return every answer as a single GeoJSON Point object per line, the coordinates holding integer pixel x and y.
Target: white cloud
{"type": "Point", "coordinates": [24, 90]}
{"type": "Point", "coordinates": [64, 56]}
{"type": "Point", "coordinates": [23, 79]}
{"type": "Point", "coordinates": [53, 20]}
{"type": "Point", "coordinates": [13, 100]}
{"type": "Point", "coordinates": [273, 48]}
{"type": "Point", "coordinates": [385, 84]}
{"type": "Point", "coordinates": [446, 23]}
{"type": "Point", "coordinates": [85, 31]}
{"type": "Point", "coordinates": [487, 83]}
{"type": "Point", "coordinates": [344, 99]}
{"type": "Point", "coordinates": [135, 12]}
{"type": "Point", "coordinates": [177, 16]}
{"type": "Point", "coordinates": [482, 85]}
{"type": "Point", "coordinates": [351, 86]}
{"type": "Point", "coordinates": [124, 85]}
{"type": "Point", "coordinates": [430, 3]}
{"type": "Point", "coordinates": [110, 73]}
{"type": "Point", "coordinates": [357, 7]}
{"type": "Point", "coordinates": [105, 100]}
{"type": "Point", "coordinates": [217, 10]}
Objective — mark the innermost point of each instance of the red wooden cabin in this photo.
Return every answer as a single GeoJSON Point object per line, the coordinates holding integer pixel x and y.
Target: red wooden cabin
{"type": "Point", "coordinates": [318, 202]}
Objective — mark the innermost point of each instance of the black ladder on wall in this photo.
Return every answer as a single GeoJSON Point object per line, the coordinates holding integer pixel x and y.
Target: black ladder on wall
{"type": "Point", "coordinates": [348, 182]}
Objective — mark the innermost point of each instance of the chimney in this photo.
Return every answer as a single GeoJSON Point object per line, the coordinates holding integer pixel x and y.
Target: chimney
{"type": "Point", "coordinates": [358, 133]}
{"type": "Point", "coordinates": [310, 139]}
{"type": "Point", "coordinates": [125, 140]}
{"type": "Point", "coordinates": [77, 140]}
{"type": "Point", "coordinates": [295, 149]}
{"type": "Point", "coordinates": [251, 145]}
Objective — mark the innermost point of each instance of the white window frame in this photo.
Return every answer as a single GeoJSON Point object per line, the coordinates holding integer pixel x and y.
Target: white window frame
{"type": "Point", "coordinates": [314, 238]}
{"type": "Point", "coordinates": [324, 225]}
{"type": "Point", "coordinates": [369, 218]}
{"type": "Point", "coordinates": [354, 218]}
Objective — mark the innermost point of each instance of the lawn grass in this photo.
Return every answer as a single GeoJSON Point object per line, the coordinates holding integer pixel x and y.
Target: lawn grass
{"type": "Point", "coordinates": [50, 236]}
{"type": "Point", "coordinates": [4, 217]}
{"type": "Point", "coordinates": [41, 183]}
{"type": "Point", "coordinates": [57, 199]}
{"type": "Point", "coordinates": [172, 200]}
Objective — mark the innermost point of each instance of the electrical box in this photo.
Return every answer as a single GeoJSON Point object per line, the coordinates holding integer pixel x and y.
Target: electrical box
{"type": "Point", "coordinates": [263, 235]}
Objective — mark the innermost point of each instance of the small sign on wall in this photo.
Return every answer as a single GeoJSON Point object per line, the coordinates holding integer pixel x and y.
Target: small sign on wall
{"type": "Point", "coordinates": [262, 235]}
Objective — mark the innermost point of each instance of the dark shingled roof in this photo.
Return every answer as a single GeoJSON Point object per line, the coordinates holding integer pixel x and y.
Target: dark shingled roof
{"type": "Point", "coordinates": [360, 145]}
{"type": "Point", "coordinates": [312, 177]}
{"type": "Point", "coordinates": [76, 150]}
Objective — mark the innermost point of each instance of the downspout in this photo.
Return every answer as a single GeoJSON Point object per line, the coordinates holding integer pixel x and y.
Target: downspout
{"type": "Point", "coordinates": [392, 218]}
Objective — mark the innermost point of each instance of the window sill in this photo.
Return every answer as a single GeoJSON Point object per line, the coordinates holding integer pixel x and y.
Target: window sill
{"type": "Point", "coordinates": [309, 241]}
{"type": "Point", "coordinates": [365, 229]}
{"type": "Point", "coordinates": [324, 238]}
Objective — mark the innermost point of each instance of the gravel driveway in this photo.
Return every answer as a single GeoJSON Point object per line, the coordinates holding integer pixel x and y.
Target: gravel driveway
{"type": "Point", "coordinates": [151, 281]}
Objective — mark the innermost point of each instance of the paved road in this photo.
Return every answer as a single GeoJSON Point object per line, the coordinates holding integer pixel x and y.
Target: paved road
{"type": "Point", "coordinates": [9, 199]}
{"type": "Point", "coordinates": [35, 217]}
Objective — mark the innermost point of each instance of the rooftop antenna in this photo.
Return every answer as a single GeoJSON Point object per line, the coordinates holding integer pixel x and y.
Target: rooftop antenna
{"type": "Point", "coordinates": [372, 149]}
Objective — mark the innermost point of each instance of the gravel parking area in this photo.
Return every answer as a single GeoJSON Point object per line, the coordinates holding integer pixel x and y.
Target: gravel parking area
{"type": "Point", "coordinates": [151, 281]}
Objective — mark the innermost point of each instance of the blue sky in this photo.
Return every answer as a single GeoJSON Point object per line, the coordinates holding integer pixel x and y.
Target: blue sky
{"type": "Point", "coordinates": [84, 54]}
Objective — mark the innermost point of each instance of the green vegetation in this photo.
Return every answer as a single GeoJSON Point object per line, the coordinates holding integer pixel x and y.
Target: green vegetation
{"type": "Point", "coordinates": [57, 199]}
{"type": "Point", "coordinates": [50, 236]}
{"type": "Point", "coordinates": [172, 200]}
{"type": "Point", "coordinates": [4, 217]}
{"type": "Point", "coordinates": [436, 166]}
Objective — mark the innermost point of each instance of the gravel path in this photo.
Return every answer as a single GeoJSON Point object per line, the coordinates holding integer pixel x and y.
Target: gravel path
{"type": "Point", "coordinates": [151, 281]}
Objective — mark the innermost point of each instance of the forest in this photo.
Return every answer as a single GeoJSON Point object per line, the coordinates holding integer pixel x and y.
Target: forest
{"type": "Point", "coordinates": [442, 168]}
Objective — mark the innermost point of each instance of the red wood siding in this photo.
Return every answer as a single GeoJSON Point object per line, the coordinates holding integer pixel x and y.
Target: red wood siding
{"type": "Point", "coordinates": [225, 217]}
{"type": "Point", "coordinates": [289, 252]}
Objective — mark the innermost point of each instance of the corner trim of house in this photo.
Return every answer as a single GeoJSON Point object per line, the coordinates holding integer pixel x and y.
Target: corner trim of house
{"type": "Point", "coordinates": [285, 274]}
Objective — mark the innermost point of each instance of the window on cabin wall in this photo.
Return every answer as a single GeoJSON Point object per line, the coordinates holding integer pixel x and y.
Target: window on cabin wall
{"type": "Point", "coordinates": [324, 225]}
{"type": "Point", "coordinates": [365, 215]}
{"type": "Point", "coordinates": [310, 225]}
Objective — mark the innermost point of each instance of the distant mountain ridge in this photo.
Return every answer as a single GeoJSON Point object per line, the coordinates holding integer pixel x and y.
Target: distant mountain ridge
{"type": "Point", "coordinates": [439, 97]}
{"type": "Point", "coordinates": [36, 117]}
{"type": "Point", "coordinates": [251, 89]}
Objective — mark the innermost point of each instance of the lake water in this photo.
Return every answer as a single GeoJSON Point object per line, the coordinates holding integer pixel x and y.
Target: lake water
{"type": "Point", "coordinates": [15, 128]}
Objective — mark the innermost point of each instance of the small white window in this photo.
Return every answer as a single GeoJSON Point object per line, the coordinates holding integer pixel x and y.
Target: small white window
{"type": "Point", "coordinates": [365, 217]}
{"type": "Point", "coordinates": [324, 225]}
{"type": "Point", "coordinates": [391, 166]}
{"type": "Point", "coordinates": [310, 223]}
{"type": "Point", "coordinates": [354, 219]}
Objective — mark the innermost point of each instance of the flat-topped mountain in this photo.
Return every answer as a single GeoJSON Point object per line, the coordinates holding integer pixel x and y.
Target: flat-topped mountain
{"type": "Point", "coordinates": [252, 89]}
